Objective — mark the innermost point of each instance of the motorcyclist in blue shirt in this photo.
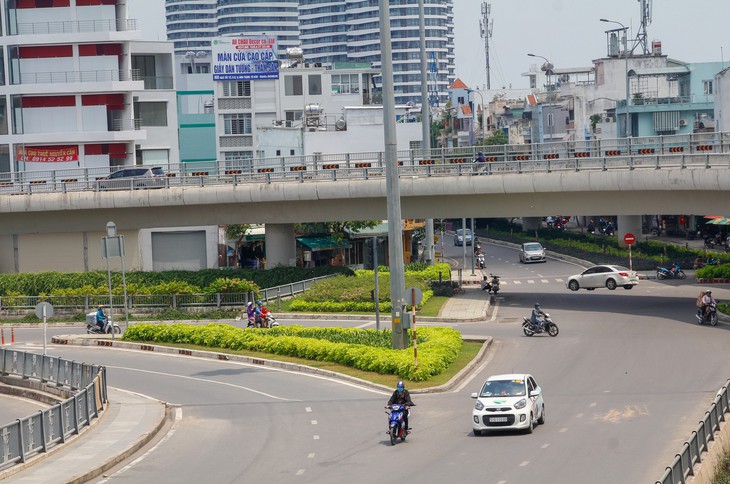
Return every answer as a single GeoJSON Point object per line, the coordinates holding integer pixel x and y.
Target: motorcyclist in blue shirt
{"type": "Point", "coordinates": [100, 317]}
{"type": "Point", "coordinates": [537, 317]}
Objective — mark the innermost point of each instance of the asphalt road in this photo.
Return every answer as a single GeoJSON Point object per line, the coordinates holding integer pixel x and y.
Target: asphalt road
{"type": "Point", "coordinates": [625, 383]}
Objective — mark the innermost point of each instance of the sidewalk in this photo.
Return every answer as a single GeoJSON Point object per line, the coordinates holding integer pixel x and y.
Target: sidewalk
{"type": "Point", "coordinates": [128, 423]}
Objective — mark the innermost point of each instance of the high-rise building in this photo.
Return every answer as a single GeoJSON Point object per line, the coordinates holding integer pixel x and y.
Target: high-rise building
{"type": "Point", "coordinates": [329, 31]}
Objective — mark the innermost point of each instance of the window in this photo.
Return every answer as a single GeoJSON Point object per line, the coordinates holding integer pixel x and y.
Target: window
{"type": "Point", "coordinates": [4, 159]}
{"type": "Point", "coordinates": [3, 115]}
{"type": "Point", "coordinates": [345, 84]}
{"type": "Point", "coordinates": [315, 85]}
{"type": "Point", "coordinates": [152, 157]}
{"type": "Point", "coordinates": [291, 152]}
{"type": "Point", "coordinates": [415, 145]}
{"type": "Point", "coordinates": [2, 68]}
{"type": "Point", "coordinates": [460, 100]}
{"type": "Point", "coordinates": [145, 67]}
{"type": "Point", "coordinates": [293, 115]}
{"type": "Point", "coordinates": [707, 85]}
{"type": "Point", "coordinates": [237, 89]}
{"type": "Point", "coordinates": [151, 113]}
{"type": "Point", "coordinates": [237, 123]}
{"type": "Point", "coordinates": [293, 85]}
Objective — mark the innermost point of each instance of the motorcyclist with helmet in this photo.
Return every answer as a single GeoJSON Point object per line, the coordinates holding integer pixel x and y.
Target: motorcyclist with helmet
{"type": "Point", "coordinates": [707, 301]}
{"type": "Point", "coordinates": [537, 317]}
{"type": "Point", "coordinates": [258, 314]}
{"type": "Point", "coordinates": [100, 317]}
{"type": "Point", "coordinates": [401, 397]}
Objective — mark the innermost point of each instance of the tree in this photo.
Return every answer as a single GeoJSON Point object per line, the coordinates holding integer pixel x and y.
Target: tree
{"type": "Point", "coordinates": [497, 138]}
{"type": "Point", "coordinates": [237, 232]}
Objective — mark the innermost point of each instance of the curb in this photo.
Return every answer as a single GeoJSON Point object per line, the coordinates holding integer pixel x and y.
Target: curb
{"type": "Point", "coordinates": [80, 341]}
{"type": "Point", "coordinates": [168, 415]}
{"type": "Point", "coordinates": [713, 281]}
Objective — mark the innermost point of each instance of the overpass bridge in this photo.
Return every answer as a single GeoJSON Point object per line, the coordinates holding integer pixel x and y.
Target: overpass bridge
{"type": "Point", "coordinates": [684, 175]}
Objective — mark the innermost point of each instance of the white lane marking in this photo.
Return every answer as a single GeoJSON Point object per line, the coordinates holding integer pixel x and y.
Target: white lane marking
{"type": "Point", "coordinates": [494, 311]}
{"type": "Point", "coordinates": [311, 456]}
{"type": "Point", "coordinates": [564, 429]}
{"type": "Point", "coordinates": [530, 281]}
{"type": "Point", "coordinates": [544, 446]}
{"type": "Point", "coordinates": [524, 463]}
{"type": "Point", "coordinates": [580, 415]}
{"type": "Point", "coordinates": [173, 429]}
{"type": "Point", "coordinates": [502, 482]}
{"type": "Point", "coordinates": [559, 280]}
{"type": "Point", "coordinates": [365, 325]}
{"type": "Point", "coordinates": [300, 472]}
{"type": "Point", "coordinates": [314, 422]}
{"type": "Point", "coordinates": [544, 281]}
{"type": "Point", "coordinates": [316, 437]}
{"type": "Point", "coordinates": [183, 377]}
{"type": "Point", "coordinates": [593, 404]}
{"type": "Point", "coordinates": [308, 409]}
{"type": "Point", "coordinates": [516, 282]}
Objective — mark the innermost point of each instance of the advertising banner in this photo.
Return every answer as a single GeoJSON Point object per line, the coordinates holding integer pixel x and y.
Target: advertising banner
{"type": "Point", "coordinates": [47, 154]}
{"type": "Point", "coordinates": [245, 58]}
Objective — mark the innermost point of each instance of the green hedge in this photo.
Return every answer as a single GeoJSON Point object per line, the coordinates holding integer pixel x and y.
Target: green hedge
{"type": "Point", "coordinates": [34, 284]}
{"type": "Point", "coordinates": [367, 350]}
{"type": "Point", "coordinates": [714, 272]}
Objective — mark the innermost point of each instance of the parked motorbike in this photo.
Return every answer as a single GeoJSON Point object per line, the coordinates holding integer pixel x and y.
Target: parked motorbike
{"type": "Point", "coordinates": [396, 424]}
{"type": "Point", "coordinates": [93, 328]}
{"type": "Point", "coordinates": [675, 272]}
{"type": "Point", "coordinates": [547, 326]}
{"type": "Point", "coordinates": [491, 285]}
{"type": "Point", "coordinates": [266, 320]}
{"type": "Point", "coordinates": [709, 315]}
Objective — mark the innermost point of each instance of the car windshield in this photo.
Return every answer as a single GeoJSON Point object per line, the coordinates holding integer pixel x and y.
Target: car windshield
{"type": "Point", "coordinates": [158, 171]}
{"type": "Point", "coordinates": [504, 388]}
{"type": "Point", "coordinates": [533, 247]}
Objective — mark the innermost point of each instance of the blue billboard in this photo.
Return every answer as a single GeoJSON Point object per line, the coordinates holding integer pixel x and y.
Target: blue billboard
{"type": "Point", "coordinates": [245, 58]}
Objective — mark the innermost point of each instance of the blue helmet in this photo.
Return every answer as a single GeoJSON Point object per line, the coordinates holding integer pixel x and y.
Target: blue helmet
{"type": "Point", "coordinates": [259, 303]}
{"type": "Point", "coordinates": [400, 386]}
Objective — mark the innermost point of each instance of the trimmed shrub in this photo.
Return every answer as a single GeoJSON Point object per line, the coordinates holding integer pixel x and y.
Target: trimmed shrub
{"type": "Point", "coordinates": [367, 350]}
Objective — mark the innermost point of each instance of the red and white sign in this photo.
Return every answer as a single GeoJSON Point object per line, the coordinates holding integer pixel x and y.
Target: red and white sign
{"type": "Point", "coordinates": [629, 238]}
{"type": "Point", "coordinates": [47, 154]}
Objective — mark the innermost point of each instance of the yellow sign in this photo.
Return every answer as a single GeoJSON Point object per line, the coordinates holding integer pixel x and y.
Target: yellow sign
{"type": "Point", "coordinates": [412, 224]}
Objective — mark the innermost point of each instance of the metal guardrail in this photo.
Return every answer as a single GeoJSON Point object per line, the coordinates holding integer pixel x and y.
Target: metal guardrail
{"type": "Point", "coordinates": [159, 301]}
{"type": "Point", "coordinates": [682, 465]}
{"type": "Point", "coordinates": [30, 183]}
{"type": "Point", "coordinates": [697, 150]}
{"type": "Point", "coordinates": [41, 431]}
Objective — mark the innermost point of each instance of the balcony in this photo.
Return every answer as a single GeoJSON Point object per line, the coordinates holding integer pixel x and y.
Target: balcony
{"type": "Point", "coordinates": [152, 83]}
{"type": "Point", "coordinates": [74, 27]}
{"type": "Point", "coordinates": [75, 76]}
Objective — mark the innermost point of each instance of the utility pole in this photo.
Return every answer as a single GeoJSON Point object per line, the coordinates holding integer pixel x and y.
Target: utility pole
{"type": "Point", "coordinates": [485, 28]}
{"type": "Point", "coordinates": [425, 122]}
{"type": "Point", "coordinates": [392, 184]}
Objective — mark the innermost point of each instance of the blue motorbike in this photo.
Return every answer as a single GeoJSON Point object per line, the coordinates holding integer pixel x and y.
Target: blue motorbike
{"type": "Point", "coordinates": [396, 424]}
{"type": "Point", "coordinates": [675, 272]}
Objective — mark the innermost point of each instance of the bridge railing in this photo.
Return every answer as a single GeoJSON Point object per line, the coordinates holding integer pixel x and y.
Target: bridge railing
{"type": "Point", "coordinates": [41, 431]}
{"type": "Point", "coordinates": [692, 449]}
{"type": "Point", "coordinates": [688, 151]}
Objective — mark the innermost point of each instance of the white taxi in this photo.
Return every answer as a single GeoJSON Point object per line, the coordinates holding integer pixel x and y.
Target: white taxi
{"type": "Point", "coordinates": [508, 402]}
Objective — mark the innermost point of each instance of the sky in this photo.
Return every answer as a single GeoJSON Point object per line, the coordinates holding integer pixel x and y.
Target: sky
{"type": "Point", "coordinates": [567, 32]}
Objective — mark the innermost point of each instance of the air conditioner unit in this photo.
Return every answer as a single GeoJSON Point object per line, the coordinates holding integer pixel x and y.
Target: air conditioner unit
{"type": "Point", "coordinates": [683, 122]}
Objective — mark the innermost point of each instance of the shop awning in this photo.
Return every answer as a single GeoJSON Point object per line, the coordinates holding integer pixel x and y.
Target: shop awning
{"type": "Point", "coordinates": [255, 233]}
{"type": "Point", "coordinates": [322, 243]}
{"type": "Point", "coordinates": [719, 221]}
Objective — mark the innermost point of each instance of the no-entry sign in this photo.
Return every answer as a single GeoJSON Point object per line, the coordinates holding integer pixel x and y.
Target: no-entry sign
{"type": "Point", "coordinates": [629, 239]}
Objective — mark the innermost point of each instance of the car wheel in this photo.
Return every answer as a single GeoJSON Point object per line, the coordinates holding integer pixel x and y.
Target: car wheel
{"type": "Point", "coordinates": [477, 432]}
{"type": "Point", "coordinates": [611, 284]}
{"type": "Point", "coordinates": [573, 285]}
{"type": "Point", "coordinates": [628, 287]}
{"type": "Point", "coordinates": [530, 427]}
{"type": "Point", "coordinates": [541, 420]}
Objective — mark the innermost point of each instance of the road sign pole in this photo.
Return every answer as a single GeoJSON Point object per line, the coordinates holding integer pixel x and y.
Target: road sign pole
{"type": "Point", "coordinates": [631, 265]}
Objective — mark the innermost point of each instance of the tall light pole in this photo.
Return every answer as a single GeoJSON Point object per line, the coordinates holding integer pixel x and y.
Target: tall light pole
{"type": "Point", "coordinates": [425, 121]}
{"type": "Point", "coordinates": [547, 67]}
{"type": "Point", "coordinates": [481, 128]}
{"type": "Point", "coordinates": [627, 129]}
{"type": "Point", "coordinates": [395, 222]}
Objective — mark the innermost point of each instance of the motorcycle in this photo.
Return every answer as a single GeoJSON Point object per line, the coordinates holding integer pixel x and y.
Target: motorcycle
{"type": "Point", "coordinates": [266, 320]}
{"type": "Point", "coordinates": [707, 316]}
{"type": "Point", "coordinates": [546, 326]}
{"type": "Point", "coordinates": [480, 261]}
{"type": "Point", "coordinates": [396, 424]}
{"type": "Point", "coordinates": [93, 328]}
{"type": "Point", "coordinates": [675, 272]}
{"type": "Point", "coordinates": [491, 285]}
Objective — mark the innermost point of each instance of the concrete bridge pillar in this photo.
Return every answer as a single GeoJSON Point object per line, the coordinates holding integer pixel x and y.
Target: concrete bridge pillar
{"type": "Point", "coordinates": [281, 247]}
{"type": "Point", "coordinates": [628, 224]}
{"type": "Point", "coordinates": [531, 223]}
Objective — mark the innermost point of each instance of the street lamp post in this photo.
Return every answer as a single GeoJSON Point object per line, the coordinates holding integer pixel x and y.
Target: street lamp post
{"type": "Point", "coordinates": [627, 130]}
{"type": "Point", "coordinates": [548, 68]}
{"type": "Point", "coordinates": [473, 114]}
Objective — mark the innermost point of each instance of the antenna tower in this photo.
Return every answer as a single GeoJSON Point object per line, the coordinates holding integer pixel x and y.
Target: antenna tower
{"type": "Point", "coordinates": [433, 97]}
{"type": "Point", "coordinates": [641, 37]}
{"type": "Point", "coordinates": [485, 28]}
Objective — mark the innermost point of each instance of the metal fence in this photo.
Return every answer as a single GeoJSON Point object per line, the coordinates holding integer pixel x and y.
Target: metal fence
{"type": "Point", "coordinates": [699, 150]}
{"type": "Point", "coordinates": [159, 301]}
{"type": "Point", "coordinates": [682, 466]}
{"type": "Point", "coordinates": [41, 431]}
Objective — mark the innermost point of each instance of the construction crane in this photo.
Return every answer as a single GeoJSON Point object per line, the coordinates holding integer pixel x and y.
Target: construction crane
{"type": "Point", "coordinates": [485, 28]}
